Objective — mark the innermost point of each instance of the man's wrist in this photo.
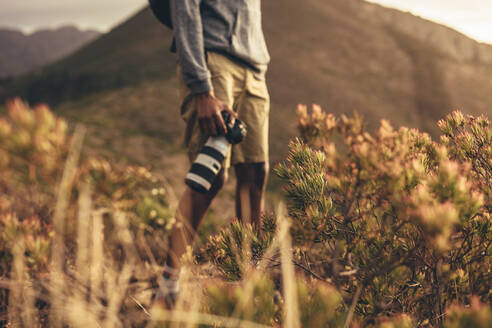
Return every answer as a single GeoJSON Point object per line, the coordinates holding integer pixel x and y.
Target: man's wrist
{"type": "Point", "coordinates": [200, 86]}
{"type": "Point", "coordinates": [204, 95]}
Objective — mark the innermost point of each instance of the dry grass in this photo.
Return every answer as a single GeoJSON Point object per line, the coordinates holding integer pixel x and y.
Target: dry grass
{"type": "Point", "coordinates": [102, 273]}
{"type": "Point", "coordinates": [87, 287]}
{"type": "Point", "coordinates": [99, 292]}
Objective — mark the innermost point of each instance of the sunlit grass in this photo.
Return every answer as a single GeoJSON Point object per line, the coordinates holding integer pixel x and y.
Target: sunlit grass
{"type": "Point", "coordinates": [82, 240]}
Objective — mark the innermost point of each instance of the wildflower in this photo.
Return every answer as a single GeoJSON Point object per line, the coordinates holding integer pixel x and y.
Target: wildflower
{"type": "Point", "coordinates": [5, 128]}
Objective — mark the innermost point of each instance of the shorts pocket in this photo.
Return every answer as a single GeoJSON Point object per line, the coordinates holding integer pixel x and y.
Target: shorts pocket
{"type": "Point", "coordinates": [216, 64]}
{"type": "Point", "coordinates": [257, 87]}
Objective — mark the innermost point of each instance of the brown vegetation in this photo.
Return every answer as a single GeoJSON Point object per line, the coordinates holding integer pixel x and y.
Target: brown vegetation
{"type": "Point", "coordinates": [392, 231]}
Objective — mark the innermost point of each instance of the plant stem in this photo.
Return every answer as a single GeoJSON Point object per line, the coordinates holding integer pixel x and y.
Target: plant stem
{"type": "Point", "coordinates": [352, 306]}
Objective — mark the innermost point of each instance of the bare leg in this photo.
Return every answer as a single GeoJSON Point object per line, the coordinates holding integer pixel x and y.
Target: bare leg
{"type": "Point", "coordinates": [191, 210]}
{"type": "Point", "coordinates": [250, 190]}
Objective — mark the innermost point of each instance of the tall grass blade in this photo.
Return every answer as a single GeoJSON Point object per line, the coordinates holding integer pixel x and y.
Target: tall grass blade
{"type": "Point", "coordinates": [63, 198]}
{"type": "Point", "coordinates": [291, 310]}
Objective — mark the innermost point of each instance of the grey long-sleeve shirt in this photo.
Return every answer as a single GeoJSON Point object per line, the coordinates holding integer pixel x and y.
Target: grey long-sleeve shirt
{"type": "Point", "coordinates": [231, 27]}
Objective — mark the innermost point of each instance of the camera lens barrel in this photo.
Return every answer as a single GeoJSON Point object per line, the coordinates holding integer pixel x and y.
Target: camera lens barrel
{"type": "Point", "coordinates": [208, 163]}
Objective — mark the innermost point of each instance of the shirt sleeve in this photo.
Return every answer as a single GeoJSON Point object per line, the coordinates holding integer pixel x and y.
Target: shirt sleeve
{"type": "Point", "coordinates": [188, 33]}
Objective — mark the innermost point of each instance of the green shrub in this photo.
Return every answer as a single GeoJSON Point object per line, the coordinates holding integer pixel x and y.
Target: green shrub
{"type": "Point", "coordinates": [398, 223]}
{"type": "Point", "coordinates": [253, 299]}
{"type": "Point", "coordinates": [320, 305]}
{"type": "Point", "coordinates": [403, 218]}
{"type": "Point", "coordinates": [388, 230]}
{"type": "Point", "coordinates": [34, 148]}
{"type": "Point", "coordinates": [226, 249]}
{"type": "Point", "coordinates": [476, 315]}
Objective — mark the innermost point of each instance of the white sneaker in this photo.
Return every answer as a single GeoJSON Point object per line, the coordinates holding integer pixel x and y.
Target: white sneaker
{"type": "Point", "coordinates": [168, 290]}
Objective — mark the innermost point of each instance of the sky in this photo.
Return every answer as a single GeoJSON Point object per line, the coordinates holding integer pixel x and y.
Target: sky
{"type": "Point", "coordinates": [101, 15]}
{"type": "Point", "coordinates": [471, 17]}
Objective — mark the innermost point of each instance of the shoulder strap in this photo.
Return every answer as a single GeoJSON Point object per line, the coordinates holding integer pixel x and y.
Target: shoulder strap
{"type": "Point", "coordinates": [162, 11]}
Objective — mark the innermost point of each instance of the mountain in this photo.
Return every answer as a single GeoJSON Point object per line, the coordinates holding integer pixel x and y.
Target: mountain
{"type": "Point", "coordinates": [346, 55]}
{"type": "Point", "coordinates": [22, 53]}
{"type": "Point", "coordinates": [352, 55]}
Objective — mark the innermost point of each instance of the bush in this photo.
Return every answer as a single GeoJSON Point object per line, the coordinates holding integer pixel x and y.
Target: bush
{"type": "Point", "coordinates": [66, 224]}
{"type": "Point", "coordinates": [401, 218]}
{"type": "Point", "coordinates": [253, 299]}
{"type": "Point", "coordinates": [476, 315]}
{"type": "Point", "coordinates": [34, 149]}
{"type": "Point", "coordinates": [399, 224]}
{"type": "Point", "coordinates": [228, 251]}
{"type": "Point", "coordinates": [384, 230]}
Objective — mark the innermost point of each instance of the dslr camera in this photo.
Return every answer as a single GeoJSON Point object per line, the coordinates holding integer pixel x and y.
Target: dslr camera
{"type": "Point", "coordinates": [211, 157]}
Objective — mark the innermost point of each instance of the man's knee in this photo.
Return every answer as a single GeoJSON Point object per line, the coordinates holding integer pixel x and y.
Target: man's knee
{"type": "Point", "coordinates": [261, 173]}
{"type": "Point", "coordinates": [254, 174]}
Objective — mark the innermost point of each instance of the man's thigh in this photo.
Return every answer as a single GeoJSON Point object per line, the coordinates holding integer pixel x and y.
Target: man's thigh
{"type": "Point", "coordinates": [253, 108]}
{"type": "Point", "coordinates": [225, 81]}
{"type": "Point", "coordinates": [238, 88]}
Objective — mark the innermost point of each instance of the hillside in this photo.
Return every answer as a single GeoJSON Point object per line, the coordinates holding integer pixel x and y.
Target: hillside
{"type": "Point", "coordinates": [22, 53]}
{"type": "Point", "coordinates": [345, 55]}
{"type": "Point", "coordinates": [350, 55]}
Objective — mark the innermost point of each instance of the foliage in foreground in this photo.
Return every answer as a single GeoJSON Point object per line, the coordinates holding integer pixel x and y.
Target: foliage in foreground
{"type": "Point", "coordinates": [400, 219]}
{"type": "Point", "coordinates": [398, 223]}
{"type": "Point", "coordinates": [34, 156]}
{"type": "Point", "coordinates": [390, 230]}
{"type": "Point", "coordinates": [67, 214]}
{"type": "Point", "coordinates": [80, 238]}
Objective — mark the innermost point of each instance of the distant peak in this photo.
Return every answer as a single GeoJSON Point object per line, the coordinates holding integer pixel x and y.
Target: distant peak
{"type": "Point", "coordinates": [65, 29]}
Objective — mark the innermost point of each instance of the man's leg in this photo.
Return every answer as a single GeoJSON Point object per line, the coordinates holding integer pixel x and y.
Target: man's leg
{"type": "Point", "coordinates": [193, 206]}
{"type": "Point", "coordinates": [250, 190]}
{"type": "Point", "coordinates": [250, 157]}
{"type": "Point", "coordinates": [189, 214]}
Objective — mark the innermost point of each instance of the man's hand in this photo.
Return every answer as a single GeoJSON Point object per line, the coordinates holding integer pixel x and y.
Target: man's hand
{"type": "Point", "coordinates": [209, 111]}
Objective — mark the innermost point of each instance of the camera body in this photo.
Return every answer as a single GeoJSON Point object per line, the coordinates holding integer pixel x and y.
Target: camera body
{"type": "Point", "coordinates": [209, 161]}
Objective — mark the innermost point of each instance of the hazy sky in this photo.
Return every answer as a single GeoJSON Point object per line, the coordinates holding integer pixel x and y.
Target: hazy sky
{"type": "Point", "coordinates": [472, 17]}
{"type": "Point", "coordinates": [98, 14]}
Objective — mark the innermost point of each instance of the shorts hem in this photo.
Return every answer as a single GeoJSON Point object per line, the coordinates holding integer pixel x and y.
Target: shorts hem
{"type": "Point", "coordinates": [251, 160]}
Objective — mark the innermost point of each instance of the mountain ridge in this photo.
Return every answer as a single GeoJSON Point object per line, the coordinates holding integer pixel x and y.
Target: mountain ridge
{"type": "Point", "coordinates": [24, 52]}
{"type": "Point", "coordinates": [456, 44]}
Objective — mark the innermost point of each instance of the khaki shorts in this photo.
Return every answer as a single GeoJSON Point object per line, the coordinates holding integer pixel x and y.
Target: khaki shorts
{"type": "Point", "coordinates": [245, 93]}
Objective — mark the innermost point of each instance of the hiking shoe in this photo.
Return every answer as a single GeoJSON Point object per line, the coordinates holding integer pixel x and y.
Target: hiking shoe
{"type": "Point", "coordinates": [168, 290]}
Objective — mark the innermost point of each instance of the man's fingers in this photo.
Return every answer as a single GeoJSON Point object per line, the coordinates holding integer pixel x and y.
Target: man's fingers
{"type": "Point", "coordinates": [220, 123]}
{"type": "Point", "coordinates": [227, 109]}
{"type": "Point", "coordinates": [233, 115]}
{"type": "Point", "coordinates": [210, 116]}
{"type": "Point", "coordinates": [203, 126]}
{"type": "Point", "coordinates": [208, 126]}
{"type": "Point", "coordinates": [223, 107]}
{"type": "Point", "coordinates": [212, 127]}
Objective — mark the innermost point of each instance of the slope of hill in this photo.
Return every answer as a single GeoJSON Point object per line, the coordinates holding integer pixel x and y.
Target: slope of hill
{"type": "Point", "coordinates": [22, 53]}
{"type": "Point", "coordinates": [345, 55]}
